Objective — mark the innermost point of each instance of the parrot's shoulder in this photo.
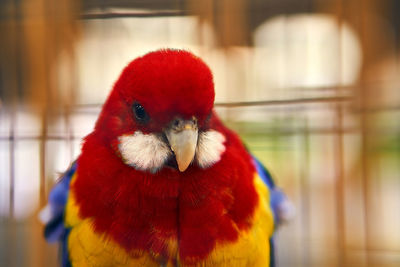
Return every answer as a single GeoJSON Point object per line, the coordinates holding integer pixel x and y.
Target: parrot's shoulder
{"type": "Point", "coordinates": [53, 214]}
{"type": "Point", "coordinates": [283, 209]}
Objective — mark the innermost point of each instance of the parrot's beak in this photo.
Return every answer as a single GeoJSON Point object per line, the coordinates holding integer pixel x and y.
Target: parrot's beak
{"type": "Point", "coordinates": [182, 137]}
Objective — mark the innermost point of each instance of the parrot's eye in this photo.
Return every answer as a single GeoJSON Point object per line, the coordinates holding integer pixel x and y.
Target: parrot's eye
{"type": "Point", "coordinates": [140, 113]}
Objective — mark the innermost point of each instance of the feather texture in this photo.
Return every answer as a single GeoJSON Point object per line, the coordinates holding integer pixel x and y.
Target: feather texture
{"type": "Point", "coordinates": [128, 207]}
{"type": "Point", "coordinates": [144, 151]}
{"type": "Point", "coordinates": [89, 248]}
{"type": "Point", "coordinates": [210, 148]}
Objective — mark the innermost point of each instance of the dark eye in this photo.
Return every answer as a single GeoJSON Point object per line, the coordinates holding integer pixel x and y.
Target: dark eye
{"type": "Point", "coordinates": [140, 114]}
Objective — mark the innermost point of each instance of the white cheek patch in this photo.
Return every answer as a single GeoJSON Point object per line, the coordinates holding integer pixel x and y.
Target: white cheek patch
{"type": "Point", "coordinates": [144, 151]}
{"type": "Point", "coordinates": [210, 148]}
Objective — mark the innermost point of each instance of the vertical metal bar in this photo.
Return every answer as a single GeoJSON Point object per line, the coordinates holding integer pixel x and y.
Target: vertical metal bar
{"type": "Point", "coordinates": [305, 196]}
{"type": "Point", "coordinates": [364, 130]}
{"type": "Point", "coordinates": [12, 162]}
{"type": "Point", "coordinates": [48, 46]}
{"type": "Point", "coordinates": [17, 87]}
{"type": "Point", "coordinates": [42, 157]}
{"type": "Point", "coordinates": [338, 150]}
{"type": "Point", "coordinates": [339, 184]}
{"type": "Point", "coordinates": [68, 129]}
{"type": "Point", "coordinates": [365, 175]}
{"type": "Point", "coordinates": [67, 109]}
{"type": "Point", "coordinates": [305, 179]}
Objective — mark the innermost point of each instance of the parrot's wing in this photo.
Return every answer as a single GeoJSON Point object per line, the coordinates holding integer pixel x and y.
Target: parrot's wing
{"type": "Point", "coordinates": [283, 210]}
{"type": "Point", "coordinates": [53, 214]}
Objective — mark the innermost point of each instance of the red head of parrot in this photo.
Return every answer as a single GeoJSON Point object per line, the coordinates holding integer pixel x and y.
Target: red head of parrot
{"type": "Point", "coordinates": [168, 92]}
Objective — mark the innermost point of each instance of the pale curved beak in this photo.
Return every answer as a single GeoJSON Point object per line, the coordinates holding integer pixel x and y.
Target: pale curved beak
{"type": "Point", "coordinates": [182, 138]}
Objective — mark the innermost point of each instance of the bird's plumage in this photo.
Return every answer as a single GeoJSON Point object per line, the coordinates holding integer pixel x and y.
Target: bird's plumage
{"type": "Point", "coordinates": [125, 202]}
{"type": "Point", "coordinates": [85, 243]}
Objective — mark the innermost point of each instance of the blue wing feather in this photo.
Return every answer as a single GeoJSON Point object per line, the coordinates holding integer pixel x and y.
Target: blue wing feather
{"type": "Point", "coordinates": [277, 201]}
{"type": "Point", "coordinates": [264, 173]}
{"type": "Point", "coordinates": [277, 197]}
{"type": "Point", "coordinates": [55, 229]}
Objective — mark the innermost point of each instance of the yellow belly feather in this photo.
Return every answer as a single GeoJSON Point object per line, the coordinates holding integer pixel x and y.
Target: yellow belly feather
{"type": "Point", "coordinates": [90, 249]}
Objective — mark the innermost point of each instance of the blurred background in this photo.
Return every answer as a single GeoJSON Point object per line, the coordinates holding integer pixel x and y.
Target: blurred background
{"type": "Point", "coordinates": [312, 86]}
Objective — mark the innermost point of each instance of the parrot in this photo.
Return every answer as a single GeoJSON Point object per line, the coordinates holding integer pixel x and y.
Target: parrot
{"type": "Point", "coordinates": [161, 181]}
